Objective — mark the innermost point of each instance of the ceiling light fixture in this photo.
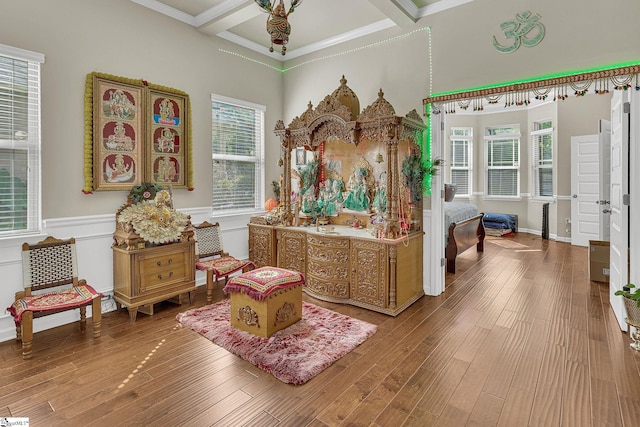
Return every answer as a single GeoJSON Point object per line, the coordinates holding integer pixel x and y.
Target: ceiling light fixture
{"type": "Point", "coordinates": [277, 24]}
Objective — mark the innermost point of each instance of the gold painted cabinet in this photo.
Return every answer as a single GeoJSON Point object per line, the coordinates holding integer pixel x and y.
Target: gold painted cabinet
{"type": "Point", "coordinates": [369, 276]}
{"type": "Point", "coordinates": [262, 245]}
{"type": "Point", "coordinates": [142, 277]}
{"type": "Point", "coordinates": [292, 246]}
{"type": "Point", "coordinates": [350, 266]}
{"type": "Point", "coordinates": [328, 267]}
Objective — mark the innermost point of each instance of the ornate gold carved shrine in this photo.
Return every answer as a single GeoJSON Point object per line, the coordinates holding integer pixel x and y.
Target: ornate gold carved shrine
{"type": "Point", "coordinates": [363, 249]}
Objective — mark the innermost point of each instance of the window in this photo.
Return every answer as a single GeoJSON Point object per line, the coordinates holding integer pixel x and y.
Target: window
{"type": "Point", "coordinates": [503, 168]}
{"type": "Point", "coordinates": [237, 143]}
{"type": "Point", "coordinates": [542, 143]}
{"type": "Point", "coordinates": [460, 160]}
{"type": "Point", "coordinates": [19, 141]}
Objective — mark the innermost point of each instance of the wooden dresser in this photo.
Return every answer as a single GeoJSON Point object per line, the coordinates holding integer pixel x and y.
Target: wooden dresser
{"type": "Point", "coordinates": [348, 266]}
{"type": "Point", "coordinates": [142, 277]}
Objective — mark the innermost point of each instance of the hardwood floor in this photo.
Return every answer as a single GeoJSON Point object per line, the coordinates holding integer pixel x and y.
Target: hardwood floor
{"type": "Point", "coordinates": [520, 337]}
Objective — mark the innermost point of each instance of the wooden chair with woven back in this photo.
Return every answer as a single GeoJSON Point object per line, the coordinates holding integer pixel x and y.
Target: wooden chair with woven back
{"type": "Point", "coordinates": [211, 257]}
{"type": "Point", "coordinates": [51, 286]}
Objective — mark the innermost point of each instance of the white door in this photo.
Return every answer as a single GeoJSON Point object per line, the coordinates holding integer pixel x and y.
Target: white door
{"type": "Point", "coordinates": [604, 136]}
{"type": "Point", "coordinates": [585, 192]}
{"type": "Point", "coordinates": [618, 253]}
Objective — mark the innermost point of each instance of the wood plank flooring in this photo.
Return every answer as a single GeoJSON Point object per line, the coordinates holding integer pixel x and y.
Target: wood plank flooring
{"type": "Point", "coordinates": [521, 337]}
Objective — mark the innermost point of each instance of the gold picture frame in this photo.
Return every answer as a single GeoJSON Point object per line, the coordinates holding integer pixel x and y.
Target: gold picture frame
{"type": "Point", "coordinates": [135, 132]}
{"type": "Point", "coordinates": [118, 135]}
{"type": "Point", "coordinates": [168, 128]}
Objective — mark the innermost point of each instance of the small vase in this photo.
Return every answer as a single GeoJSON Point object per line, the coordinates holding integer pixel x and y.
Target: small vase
{"type": "Point", "coordinates": [633, 322]}
{"type": "Point", "coordinates": [414, 222]}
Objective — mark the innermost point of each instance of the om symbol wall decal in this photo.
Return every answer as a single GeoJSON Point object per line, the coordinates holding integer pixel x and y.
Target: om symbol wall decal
{"type": "Point", "coordinates": [525, 30]}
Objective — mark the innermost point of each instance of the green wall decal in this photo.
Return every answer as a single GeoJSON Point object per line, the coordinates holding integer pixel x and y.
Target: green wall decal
{"type": "Point", "coordinates": [520, 30]}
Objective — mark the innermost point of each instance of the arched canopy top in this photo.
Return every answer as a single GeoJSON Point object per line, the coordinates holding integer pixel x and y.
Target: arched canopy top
{"type": "Point", "coordinates": [337, 117]}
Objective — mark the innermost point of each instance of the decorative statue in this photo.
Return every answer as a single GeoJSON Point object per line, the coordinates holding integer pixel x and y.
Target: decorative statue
{"type": "Point", "coordinates": [357, 198]}
{"type": "Point", "coordinates": [330, 201]}
{"type": "Point", "coordinates": [308, 177]}
{"type": "Point", "coordinates": [308, 199]}
{"type": "Point", "coordinates": [380, 201]}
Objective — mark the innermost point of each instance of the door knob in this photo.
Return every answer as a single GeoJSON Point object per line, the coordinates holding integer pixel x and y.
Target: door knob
{"type": "Point", "coordinates": [606, 210]}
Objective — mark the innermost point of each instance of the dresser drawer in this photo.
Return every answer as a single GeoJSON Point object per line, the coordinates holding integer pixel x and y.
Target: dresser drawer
{"type": "Point", "coordinates": [150, 264]}
{"type": "Point", "coordinates": [162, 269]}
{"type": "Point", "coordinates": [328, 270]}
{"type": "Point", "coordinates": [151, 282]}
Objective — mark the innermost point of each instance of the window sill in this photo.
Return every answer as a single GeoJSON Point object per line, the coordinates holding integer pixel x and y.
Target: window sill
{"type": "Point", "coordinates": [503, 198]}
{"type": "Point", "coordinates": [543, 199]}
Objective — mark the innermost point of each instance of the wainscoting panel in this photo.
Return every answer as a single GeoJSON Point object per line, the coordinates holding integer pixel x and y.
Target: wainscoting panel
{"type": "Point", "coordinates": [94, 237]}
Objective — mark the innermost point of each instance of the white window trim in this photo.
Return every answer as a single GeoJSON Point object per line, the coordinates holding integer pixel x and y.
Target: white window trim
{"type": "Point", "coordinates": [259, 160]}
{"type": "Point", "coordinates": [33, 145]}
{"type": "Point", "coordinates": [469, 168]}
{"type": "Point", "coordinates": [488, 138]}
{"type": "Point", "coordinates": [534, 167]}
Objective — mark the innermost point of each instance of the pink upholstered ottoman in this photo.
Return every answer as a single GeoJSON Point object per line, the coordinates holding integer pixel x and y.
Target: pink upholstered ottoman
{"type": "Point", "coordinates": [265, 300]}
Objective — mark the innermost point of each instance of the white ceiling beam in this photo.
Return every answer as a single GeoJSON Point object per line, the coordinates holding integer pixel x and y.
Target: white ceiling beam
{"type": "Point", "coordinates": [401, 12]}
{"type": "Point", "coordinates": [167, 10]}
{"type": "Point", "coordinates": [439, 6]}
{"type": "Point", "coordinates": [226, 15]}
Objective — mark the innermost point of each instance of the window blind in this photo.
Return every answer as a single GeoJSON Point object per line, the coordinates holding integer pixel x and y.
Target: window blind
{"type": "Point", "coordinates": [460, 160]}
{"type": "Point", "coordinates": [542, 144]}
{"type": "Point", "coordinates": [503, 175]}
{"type": "Point", "coordinates": [237, 154]}
{"type": "Point", "coordinates": [19, 141]}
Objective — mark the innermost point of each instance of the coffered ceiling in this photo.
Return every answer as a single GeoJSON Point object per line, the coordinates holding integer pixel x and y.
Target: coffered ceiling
{"type": "Point", "coordinates": [315, 24]}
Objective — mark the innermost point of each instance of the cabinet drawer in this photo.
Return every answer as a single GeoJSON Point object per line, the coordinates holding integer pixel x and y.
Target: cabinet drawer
{"type": "Point", "coordinates": [161, 262]}
{"type": "Point", "coordinates": [332, 289]}
{"type": "Point", "coordinates": [152, 281]}
{"type": "Point", "coordinates": [328, 270]}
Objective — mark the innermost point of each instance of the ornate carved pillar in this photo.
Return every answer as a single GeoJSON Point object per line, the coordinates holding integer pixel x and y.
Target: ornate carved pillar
{"type": "Point", "coordinates": [393, 257]}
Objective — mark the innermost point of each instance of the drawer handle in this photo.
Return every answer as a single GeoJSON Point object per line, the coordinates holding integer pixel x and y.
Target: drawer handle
{"type": "Point", "coordinates": [168, 276]}
{"type": "Point", "coordinates": [169, 261]}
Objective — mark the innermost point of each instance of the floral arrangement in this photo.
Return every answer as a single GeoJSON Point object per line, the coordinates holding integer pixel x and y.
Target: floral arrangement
{"type": "Point", "coordinates": [142, 192]}
{"type": "Point", "coordinates": [154, 220]}
{"type": "Point", "coordinates": [415, 169]}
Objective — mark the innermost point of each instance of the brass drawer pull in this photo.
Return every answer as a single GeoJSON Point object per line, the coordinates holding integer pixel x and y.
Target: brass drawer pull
{"type": "Point", "coordinates": [169, 261]}
{"type": "Point", "coordinates": [168, 276]}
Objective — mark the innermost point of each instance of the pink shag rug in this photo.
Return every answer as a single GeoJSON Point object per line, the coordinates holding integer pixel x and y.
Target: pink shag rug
{"type": "Point", "coordinates": [293, 355]}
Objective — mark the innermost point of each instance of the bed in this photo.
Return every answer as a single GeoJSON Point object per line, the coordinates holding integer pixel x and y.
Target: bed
{"type": "Point", "coordinates": [463, 229]}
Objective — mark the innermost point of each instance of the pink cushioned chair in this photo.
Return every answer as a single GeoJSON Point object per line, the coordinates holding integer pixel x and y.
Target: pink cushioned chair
{"type": "Point", "coordinates": [49, 264]}
{"type": "Point", "coordinates": [220, 264]}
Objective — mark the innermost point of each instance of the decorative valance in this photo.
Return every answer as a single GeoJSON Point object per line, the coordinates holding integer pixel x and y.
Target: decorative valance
{"type": "Point", "coordinates": [521, 93]}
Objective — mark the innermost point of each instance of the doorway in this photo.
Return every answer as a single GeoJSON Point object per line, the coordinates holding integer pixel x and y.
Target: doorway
{"type": "Point", "coordinates": [590, 185]}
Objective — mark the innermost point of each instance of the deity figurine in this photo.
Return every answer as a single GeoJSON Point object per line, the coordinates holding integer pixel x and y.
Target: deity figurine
{"type": "Point", "coordinates": [308, 199]}
{"type": "Point", "coordinates": [380, 201]}
{"type": "Point", "coordinates": [357, 198]}
{"type": "Point", "coordinates": [332, 197]}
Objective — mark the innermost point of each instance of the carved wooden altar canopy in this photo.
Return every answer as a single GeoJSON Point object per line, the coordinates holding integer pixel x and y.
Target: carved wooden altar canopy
{"type": "Point", "coordinates": [337, 117]}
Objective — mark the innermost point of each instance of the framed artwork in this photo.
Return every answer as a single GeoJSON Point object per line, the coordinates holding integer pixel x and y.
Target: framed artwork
{"type": "Point", "coordinates": [300, 156]}
{"type": "Point", "coordinates": [118, 135]}
{"type": "Point", "coordinates": [135, 132]}
{"type": "Point", "coordinates": [168, 127]}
